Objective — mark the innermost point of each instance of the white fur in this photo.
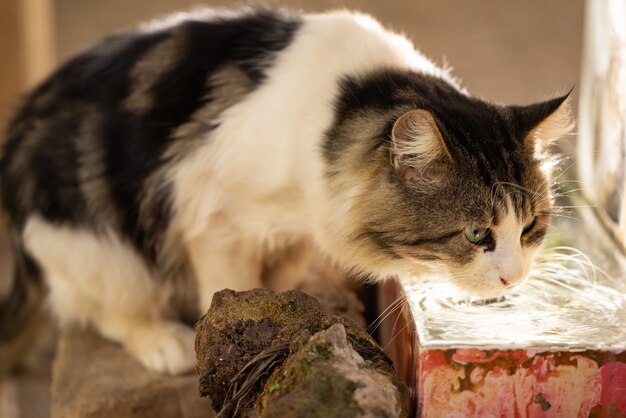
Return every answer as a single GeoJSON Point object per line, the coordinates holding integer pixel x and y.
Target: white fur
{"type": "Point", "coordinates": [509, 261]}
{"type": "Point", "coordinates": [101, 281]}
{"type": "Point", "coordinates": [255, 186]}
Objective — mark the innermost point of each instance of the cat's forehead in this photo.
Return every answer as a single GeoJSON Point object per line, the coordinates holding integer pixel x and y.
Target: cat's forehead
{"type": "Point", "coordinates": [507, 202]}
{"type": "Point", "coordinates": [511, 208]}
{"type": "Point", "coordinates": [480, 139]}
{"type": "Point", "coordinates": [498, 168]}
{"type": "Point", "coordinates": [476, 201]}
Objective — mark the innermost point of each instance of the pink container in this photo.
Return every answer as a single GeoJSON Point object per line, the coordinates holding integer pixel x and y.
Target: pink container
{"type": "Point", "coordinates": [458, 382]}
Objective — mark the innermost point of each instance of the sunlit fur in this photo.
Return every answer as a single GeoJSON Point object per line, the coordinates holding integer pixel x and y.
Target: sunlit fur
{"type": "Point", "coordinates": [288, 153]}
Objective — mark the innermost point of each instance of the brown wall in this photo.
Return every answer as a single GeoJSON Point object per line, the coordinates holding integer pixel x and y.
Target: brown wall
{"type": "Point", "coordinates": [503, 50]}
{"type": "Point", "coordinates": [10, 57]}
{"type": "Point", "coordinates": [27, 49]}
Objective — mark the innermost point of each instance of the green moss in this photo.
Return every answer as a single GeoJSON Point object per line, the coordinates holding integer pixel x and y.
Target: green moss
{"type": "Point", "coordinates": [331, 393]}
{"type": "Point", "coordinates": [320, 392]}
{"type": "Point", "coordinates": [274, 387]}
{"type": "Point", "coordinates": [322, 350]}
{"type": "Point", "coordinates": [304, 367]}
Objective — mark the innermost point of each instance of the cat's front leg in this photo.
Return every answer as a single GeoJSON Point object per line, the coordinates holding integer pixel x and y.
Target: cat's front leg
{"type": "Point", "coordinates": [222, 258]}
{"type": "Point", "coordinates": [99, 280]}
{"type": "Point", "coordinates": [162, 345]}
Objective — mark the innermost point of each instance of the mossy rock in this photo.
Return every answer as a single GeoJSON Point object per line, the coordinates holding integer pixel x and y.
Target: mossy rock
{"type": "Point", "coordinates": [328, 378]}
{"type": "Point", "coordinates": [245, 336]}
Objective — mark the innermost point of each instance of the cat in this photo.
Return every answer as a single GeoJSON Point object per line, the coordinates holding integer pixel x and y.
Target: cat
{"type": "Point", "coordinates": [212, 149]}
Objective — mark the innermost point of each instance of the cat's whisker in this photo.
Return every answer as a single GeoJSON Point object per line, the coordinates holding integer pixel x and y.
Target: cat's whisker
{"type": "Point", "coordinates": [582, 259]}
{"type": "Point", "coordinates": [395, 334]}
{"type": "Point", "coordinates": [558, 283]}
{"type": "Point", "coordinates": [568, 181]}
{"type": "Point", "coordinates": [578, 206]}
{"type": "Point", "coordinates": [563, 171]}
{"type": "Point", "coordinates": [562, 215]}
{"type": "Point", "coordinates": [555, 258]}
{"type": "Point", "coordinates": [389, 310]}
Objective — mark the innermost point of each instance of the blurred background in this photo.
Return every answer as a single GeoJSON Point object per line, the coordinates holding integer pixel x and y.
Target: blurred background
{"type": "Point", "coordinates": [506, 51]}
{"type": "Point", "coordinates": [502, 50]}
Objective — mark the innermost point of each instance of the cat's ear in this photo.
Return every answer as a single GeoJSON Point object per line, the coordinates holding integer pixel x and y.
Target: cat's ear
{"type": "Point", "coordinates": [541, 123]}
{"type": "Point", "coordinates": [418, 148]}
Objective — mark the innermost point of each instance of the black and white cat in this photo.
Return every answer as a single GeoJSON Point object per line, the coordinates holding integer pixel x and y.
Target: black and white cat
{"type": "Point", "coordinates": [195, 153]}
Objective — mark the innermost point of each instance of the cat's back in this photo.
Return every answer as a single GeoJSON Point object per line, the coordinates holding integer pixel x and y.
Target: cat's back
{"type": "Point", "coordinates": [175, 54]}
{"type": "Point", "coordinates": [111, 112]}
{"type": "Point", "coordinates": [88, 141]}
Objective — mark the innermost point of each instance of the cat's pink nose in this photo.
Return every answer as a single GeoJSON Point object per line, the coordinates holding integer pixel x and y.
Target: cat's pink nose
{"type": "Point", "coordinates": [510, 281]}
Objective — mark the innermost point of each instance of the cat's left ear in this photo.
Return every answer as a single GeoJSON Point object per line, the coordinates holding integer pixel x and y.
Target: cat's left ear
{"type": "Point", "coordinates": [418, 151]}
{"type": "Point", "coordinates": [541, 123]}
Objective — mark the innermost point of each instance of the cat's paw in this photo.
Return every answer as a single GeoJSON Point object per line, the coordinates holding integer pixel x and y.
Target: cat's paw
{"type": "Point", "coordinates": [166, 347]}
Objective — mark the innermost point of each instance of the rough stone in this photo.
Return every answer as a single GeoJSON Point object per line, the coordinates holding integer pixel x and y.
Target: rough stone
{"type": "Point", "coordinates": [94, 378]}
{"type": "Point", "coordinates": [327, 378]}
{"type": "Point", "coordinates": [246, 336]}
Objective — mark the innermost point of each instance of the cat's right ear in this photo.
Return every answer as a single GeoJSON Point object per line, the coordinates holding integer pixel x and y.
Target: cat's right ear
{"type": "Point", "coordinates": [418, 152]}
{"type": "Point", "coordinates": [541, 123]}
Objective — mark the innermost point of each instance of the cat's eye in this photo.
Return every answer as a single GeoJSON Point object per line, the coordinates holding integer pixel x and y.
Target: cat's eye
{"type": "Point", "coordinates": [529, 225]}
{"type": "Point", "coordinates": [475, 235]}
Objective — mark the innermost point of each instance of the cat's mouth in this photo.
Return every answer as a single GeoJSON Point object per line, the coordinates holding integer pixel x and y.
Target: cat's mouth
{"type": "Point", "coordinates": [484, 287]}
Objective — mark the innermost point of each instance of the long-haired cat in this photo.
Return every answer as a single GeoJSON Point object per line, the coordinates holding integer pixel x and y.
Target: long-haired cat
{"type": "Point", "coordinates": [189, 155]}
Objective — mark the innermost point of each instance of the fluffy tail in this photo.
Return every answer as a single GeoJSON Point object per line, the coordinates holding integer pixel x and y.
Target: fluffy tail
{"type": "Point", "coordinates": [21, 311]}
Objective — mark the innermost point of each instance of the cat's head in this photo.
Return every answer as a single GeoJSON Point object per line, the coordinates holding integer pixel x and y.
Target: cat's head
{"type": "Point", "coordinates": [427, 176]}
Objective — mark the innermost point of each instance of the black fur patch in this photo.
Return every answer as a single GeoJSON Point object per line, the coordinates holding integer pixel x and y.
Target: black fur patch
{"type": "Point", "coordinates": [488, 243]}
{"type": "Point", "coordinates": [473, 130]}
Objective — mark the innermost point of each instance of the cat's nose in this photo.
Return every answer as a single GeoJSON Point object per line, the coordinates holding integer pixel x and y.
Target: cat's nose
{"type": "Point", "coordinates": [510, 281]}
